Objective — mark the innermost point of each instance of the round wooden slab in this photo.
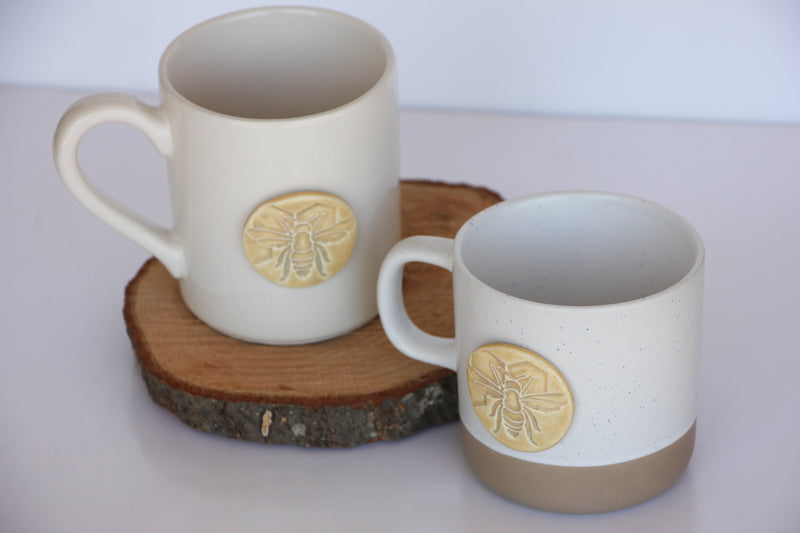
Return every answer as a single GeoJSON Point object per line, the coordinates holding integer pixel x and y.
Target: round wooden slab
{"type": "Point", "coordinates": [344, 392]}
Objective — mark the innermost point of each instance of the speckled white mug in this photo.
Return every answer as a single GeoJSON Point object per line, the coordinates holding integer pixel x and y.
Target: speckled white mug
{"type": "Point", "coordinates": [577, 341]}
{"type": "Point", "coordinates": [280, 130]}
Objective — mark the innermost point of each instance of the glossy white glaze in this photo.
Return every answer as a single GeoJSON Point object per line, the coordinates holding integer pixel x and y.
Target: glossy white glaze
{"type": "Point", "coordinates": [257, 104]}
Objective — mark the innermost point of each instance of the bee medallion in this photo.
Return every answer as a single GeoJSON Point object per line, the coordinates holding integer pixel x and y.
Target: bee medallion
{"type": "Point", "coordinates": [519, 396]}
{"type": "Point", "coordinates": [301, 238]}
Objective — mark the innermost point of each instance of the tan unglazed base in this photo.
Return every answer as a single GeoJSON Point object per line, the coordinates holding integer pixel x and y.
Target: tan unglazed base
{"type": "Point", "coordinates": [583, 489]}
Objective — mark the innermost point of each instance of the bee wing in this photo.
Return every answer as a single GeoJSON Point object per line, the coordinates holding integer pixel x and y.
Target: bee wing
{"type": "Point", "coordinates": [258, 231]}
{"type": "Point", "coordinates": [333, 237]}
{"type": "Point", "coordinates": [543, 402]}
{"type": "Point", "coordinates": [262, 229]}
{"type": "Point", "coordinates": [485, 384]}
{"type": "Point", "coordinates": [269, 244]}
{"type": "Point", "coordinates": [275, 240]}
{"type": "Point", "coordinates": [334, 231]}
{"type": "Point", "coordinates": [267, 238]}
{"type": "Point", "coordinates": [283, 257]}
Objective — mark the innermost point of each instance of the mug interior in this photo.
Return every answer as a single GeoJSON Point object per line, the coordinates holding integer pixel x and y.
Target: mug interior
{"type": "Point", "coordinates": [276, 63]}
{"type": "Point", "coordinates": [579, 249]}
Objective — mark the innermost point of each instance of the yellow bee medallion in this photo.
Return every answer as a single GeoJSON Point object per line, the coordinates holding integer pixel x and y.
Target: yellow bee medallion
{"type": "Point", "coordinates": [519, 396]}
{"type": "Point", "coordinates": [301, 238]}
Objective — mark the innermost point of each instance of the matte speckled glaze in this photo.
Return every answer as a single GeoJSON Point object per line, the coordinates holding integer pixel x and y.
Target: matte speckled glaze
{"type": "Point", "coordinates": [608, 289]}
{"type": "Point", "coordinates": [256, 105]}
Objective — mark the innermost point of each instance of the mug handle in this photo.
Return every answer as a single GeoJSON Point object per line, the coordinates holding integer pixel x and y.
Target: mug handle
{"type": "Point", "coordinates": [399, 328]}
{"type": "Point", "coordinates": [92, 111]}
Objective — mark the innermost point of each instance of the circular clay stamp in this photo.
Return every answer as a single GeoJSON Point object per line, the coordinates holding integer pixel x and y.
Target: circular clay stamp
{"type": "Point", "coordinates": [301, 238]}
{"type": "Point", "coordinates": [519, 396]}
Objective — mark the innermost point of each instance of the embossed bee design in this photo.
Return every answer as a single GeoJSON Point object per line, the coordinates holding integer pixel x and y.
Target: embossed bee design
{"type": "Point", "coordinates": [301, 245]}
{"type": "Point", "coordinates": [300, 239]}
{"type": "Point", "coordinates": [512, 393]}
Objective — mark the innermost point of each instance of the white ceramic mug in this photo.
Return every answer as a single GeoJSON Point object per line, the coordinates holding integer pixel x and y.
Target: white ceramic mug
{"type": "Point", "coordinates": [577, 340]}
{"type": "Point", "coordinates": [279, 127]}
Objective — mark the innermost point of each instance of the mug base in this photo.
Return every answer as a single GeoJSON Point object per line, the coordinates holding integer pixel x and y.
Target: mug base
{"type": "Point", "coordinates": [292, 342]}
{"type": "Point", "coordinates": [581, 489]}
{"type": "Point", "coordinates": [225, 319]}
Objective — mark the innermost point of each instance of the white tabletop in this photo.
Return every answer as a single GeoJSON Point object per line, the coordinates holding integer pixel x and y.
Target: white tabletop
{"type": "Point", "coordinates": [84, 449]}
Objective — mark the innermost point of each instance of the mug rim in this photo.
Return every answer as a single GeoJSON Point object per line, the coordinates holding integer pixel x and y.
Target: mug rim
{"type": "Point", "coordinates": [689, 231]}
{"type": "Point", "coordinates": [226, 18]}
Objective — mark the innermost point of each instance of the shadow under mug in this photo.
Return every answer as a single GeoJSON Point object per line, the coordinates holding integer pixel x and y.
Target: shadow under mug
{"type": "Point", "coordinates": [280, 129]}
{"type": "Point", "coordinates": [577, 344]}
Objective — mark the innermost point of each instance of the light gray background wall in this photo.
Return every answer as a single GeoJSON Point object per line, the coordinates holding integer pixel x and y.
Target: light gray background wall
{"type": "Point", "coordinates": [712, 59]}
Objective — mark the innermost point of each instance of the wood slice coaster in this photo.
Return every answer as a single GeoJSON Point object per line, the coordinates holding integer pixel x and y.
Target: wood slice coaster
{"type": "Point", "coordinates": [344, 392]}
